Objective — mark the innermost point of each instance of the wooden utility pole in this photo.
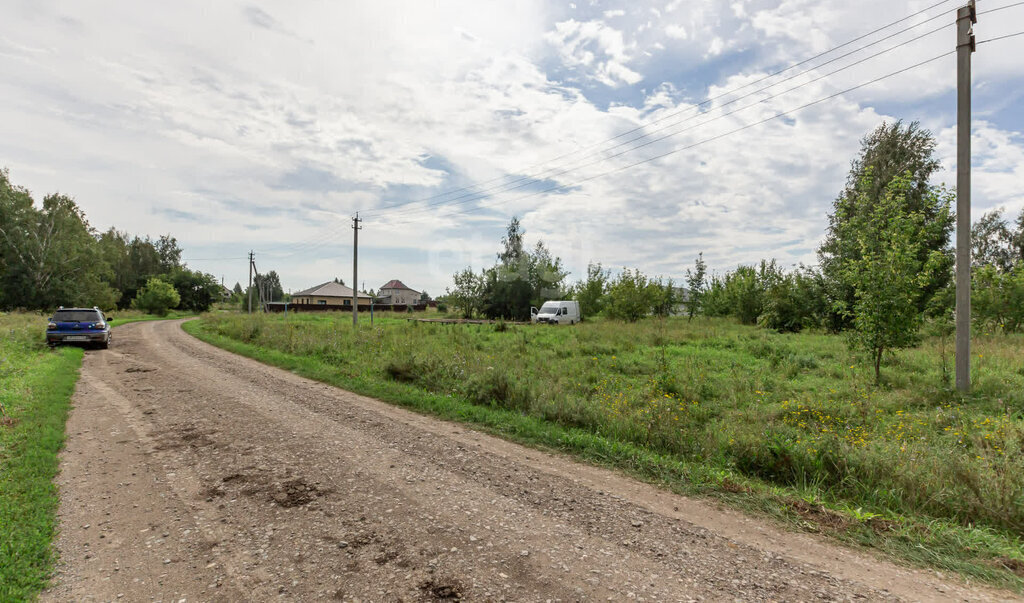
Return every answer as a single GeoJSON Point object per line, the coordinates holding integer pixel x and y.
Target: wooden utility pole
{"type": "Point", "coordinates": [965, 18]}
{"type": "Point", "coordinates": [355, 268]}
{"type": "Point", "coordinates": [249, 290]}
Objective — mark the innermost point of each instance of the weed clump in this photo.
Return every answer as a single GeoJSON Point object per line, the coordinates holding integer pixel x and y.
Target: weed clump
{"type": "Point", "coordinates": [498, 388]}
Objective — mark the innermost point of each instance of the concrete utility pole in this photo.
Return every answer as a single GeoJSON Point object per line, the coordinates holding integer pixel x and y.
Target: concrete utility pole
{"type": "Point", "coordinates": [249, 290]}
{"type": "Point", "coordinates": [965, 18]}
{"type": "Point", "coordinates": [355, 268]}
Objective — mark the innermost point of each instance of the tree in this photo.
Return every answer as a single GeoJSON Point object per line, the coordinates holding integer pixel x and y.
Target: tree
{"type": "Point", "coordinates": [545, 275]}
{"type": "Point", "coordinates": [424, 296]}
{"type": "Point", "coordinates": [196, 291]}
{"type": "Point", "coordinates": [662, 294]}
{"type": "Point", "coordinates": [695, 283]}
{"type": "Point", "coordinates": [592, 292]}
{"type": "Point", "coordinates": [893, 266]}
{"type": "Point", "coordinates": [237, 289]}
{"type": "Point", "coordinates": [1017, 240]}
{"type": "Point", "coordinates": [506, 294]}
{"type": "Point", "coordinates": [992, 241]}
{"type": "Point", "coordinates": [512, 256]}
{"type": "Point", "coordinates": [467, 295]}
{"type": "Point", "coordinates": [49, 256]}
{"type": "Point", "coordinates": [269, 286]}
{"type": "Point", "coordinates": [997, 297]}
{"type": "Point", "coordinates": [339, 280]}
{"type": "Point", "coordinates": [795, 301]}
{"type": "Point", "coordinates": [521, 278]}
{"type": "Point", "coordinates": [169, 253]}
{"type": "Point", "coordinates": [156, 297]}
{"type": "Point", "coordinates": [891, 151]}
{"type": "Point", "coordinates": [629, 296]}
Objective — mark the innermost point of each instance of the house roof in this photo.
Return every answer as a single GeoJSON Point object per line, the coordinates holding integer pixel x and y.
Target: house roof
{"type": "Point", "coordinates": [330, 289]}
{"type": "Point", "coordinates": [396, 284]}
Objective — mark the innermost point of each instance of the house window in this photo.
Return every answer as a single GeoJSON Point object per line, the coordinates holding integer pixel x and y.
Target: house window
{"type": "Point", "coordinates": [348, 302]}
{"type": "Point", "coordinates": [321, 302]}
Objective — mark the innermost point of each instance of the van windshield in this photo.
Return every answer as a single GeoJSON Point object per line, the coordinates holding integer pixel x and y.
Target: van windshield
{"type": "Point", "coordinates": [549, 309]}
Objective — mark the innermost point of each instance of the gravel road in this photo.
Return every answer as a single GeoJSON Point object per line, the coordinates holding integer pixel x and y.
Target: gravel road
{"type": "Point", "coordinates": [192, 474]}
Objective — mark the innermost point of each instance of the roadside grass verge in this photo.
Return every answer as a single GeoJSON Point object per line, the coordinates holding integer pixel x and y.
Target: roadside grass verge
{"type": "Point", "coordinates": [36, 385]}
{"type": "Point", "coordinates": [122, 317]}
{"type": "Point", "coordinates": [785, 425]}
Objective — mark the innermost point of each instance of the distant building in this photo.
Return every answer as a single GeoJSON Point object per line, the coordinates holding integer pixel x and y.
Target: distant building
{"type": "Point", "coordinates": [329, 294]}
{"type": "Point", "coordinates": [395, 293]}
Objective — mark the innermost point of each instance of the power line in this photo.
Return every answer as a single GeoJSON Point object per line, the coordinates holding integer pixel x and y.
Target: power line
{"type": "Point", "coordinates": [705, 122]}
{"type": "Point", "coordinates": [211, 259]}
{"type": "Point", "coordinates": [993, 10]}
{"type": "Point", "coordinates": [706, 101]}
{"type": "Point", "coordinates": [706, 140]}
{"type": "Point", "coordinates": [544, 175]}
{"type": "Point", "coordinates": [1013, 35]}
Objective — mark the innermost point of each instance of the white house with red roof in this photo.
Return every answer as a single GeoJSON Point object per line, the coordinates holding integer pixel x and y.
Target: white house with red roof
{"type": "Point", "coordinates": [394, 292]}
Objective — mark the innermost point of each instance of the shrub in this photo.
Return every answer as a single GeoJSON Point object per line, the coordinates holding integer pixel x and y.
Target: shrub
{"type": "Point", "coordinates": [498, 388]}
{"type": "Point", "coordinates": [629, 296]}
{"type": "Point", "coordinates": [998, 297]}
{"type": "Point", "coordinates": [794, 302]}
{"type": "Point", "coordinates": [156, 297]}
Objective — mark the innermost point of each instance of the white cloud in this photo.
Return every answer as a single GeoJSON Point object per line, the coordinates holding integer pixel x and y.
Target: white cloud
{"type": "Point", "coordinates": [676, 32]}
{"type": "Point", "coordinates": [579, 43]}
{"type": "Point", "coordinates": [267, 128]}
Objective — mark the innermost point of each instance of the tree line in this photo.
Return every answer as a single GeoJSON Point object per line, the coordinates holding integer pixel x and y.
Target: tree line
{"type": "Point", "coordinates": [886, 265]}
{"type": "Point", "coordinates": [51, 256]}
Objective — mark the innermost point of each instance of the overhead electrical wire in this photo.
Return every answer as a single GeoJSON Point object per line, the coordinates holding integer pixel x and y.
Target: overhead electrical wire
{"type": "Point", "coordinates": [379, 209]}
{"type": "Point", "coordinates": [997, 9]}
{"type": "Point", "coordinates": [1013, 35]}
{"type": "Point", "coordinates": [422, 209]}
{"type": "Point", "coordinates": [701, 142]}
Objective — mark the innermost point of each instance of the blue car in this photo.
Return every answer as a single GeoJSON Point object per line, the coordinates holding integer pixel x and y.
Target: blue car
{"type": "Point", "coordinates": [85, 326]}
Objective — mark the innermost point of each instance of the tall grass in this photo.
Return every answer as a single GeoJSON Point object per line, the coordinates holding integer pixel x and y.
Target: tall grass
{"type": "Point", "coordinates": [790, 419]}
{"type": "Point", "coordinates": [35, 391]}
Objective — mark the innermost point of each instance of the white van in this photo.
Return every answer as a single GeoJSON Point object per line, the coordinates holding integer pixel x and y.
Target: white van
{"type": "Point", "coordinates": [557, 313]}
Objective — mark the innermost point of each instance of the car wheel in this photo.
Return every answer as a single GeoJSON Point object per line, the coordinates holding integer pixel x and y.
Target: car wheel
{"type": "Point", "coordinates": [105, 344]}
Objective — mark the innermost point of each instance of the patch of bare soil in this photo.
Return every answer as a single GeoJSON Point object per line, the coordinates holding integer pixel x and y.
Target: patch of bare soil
{"type": "Point", "coordinates": [244, 482]}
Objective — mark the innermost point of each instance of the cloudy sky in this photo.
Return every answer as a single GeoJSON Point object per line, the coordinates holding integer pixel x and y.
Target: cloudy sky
{"type": "Point", "coordinates": [266, 126]}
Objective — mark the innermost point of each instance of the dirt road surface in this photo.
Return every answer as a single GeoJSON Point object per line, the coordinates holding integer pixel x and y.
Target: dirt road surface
{"type": "Point", "coordinates": [192, 474]}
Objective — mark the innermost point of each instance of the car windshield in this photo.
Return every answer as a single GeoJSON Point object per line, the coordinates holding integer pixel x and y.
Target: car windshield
{"type": "Point", "coordinates": [76, 316]}
{"type": "Point", "coordinates": [549, 309]}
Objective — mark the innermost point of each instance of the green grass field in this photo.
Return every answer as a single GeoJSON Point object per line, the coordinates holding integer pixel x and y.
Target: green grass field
{"type": "Point", "coordinates": [35, 392]}
{"type": "Point", "coordinates": [788, 425]}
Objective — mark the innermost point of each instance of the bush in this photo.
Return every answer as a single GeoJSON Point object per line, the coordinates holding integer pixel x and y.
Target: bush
{"type": "Point", "coordinates": [156, 297]}
{"type": "Point", "coordinates": [629, 296]}
{"type": "Point", "coordinates": [998, 297]}
{"type": "Point", "coordinates": [743, 292]}
{"type": "Point", "coordinates": [794, 302]}
{"type": "Point", "coordinates": [498, 388]}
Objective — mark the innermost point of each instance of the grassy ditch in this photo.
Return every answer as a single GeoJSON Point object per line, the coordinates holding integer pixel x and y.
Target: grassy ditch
{"type": "Point", "coordinates": [36, 385]}
{"type": "Point", "coordinates": [789, 425]}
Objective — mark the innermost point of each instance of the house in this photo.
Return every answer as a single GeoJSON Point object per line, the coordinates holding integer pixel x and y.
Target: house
{"type": "Point", "coordinates": [329, 294]}
{"type": "Point", "coordinates": [395, 293]}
